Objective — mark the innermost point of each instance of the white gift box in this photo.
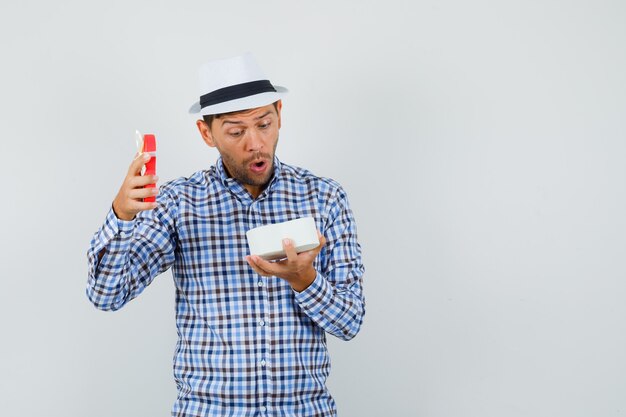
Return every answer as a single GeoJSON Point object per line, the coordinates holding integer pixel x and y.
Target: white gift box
{"type": "Point", "coordinates": [267, 241]}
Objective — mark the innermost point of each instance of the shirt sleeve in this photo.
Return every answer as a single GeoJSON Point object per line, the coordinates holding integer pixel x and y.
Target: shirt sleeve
{"type": "Point", "coordinates": [135, 252]}
{"type": "Point", "coordinates": [335, 300]}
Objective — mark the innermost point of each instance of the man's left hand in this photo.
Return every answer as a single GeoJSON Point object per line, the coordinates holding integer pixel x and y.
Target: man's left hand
{"type": "Point", "coordinates": [297, 269]}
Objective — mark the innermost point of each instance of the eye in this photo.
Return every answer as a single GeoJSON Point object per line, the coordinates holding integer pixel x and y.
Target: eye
{"type": "Point", "coordinates": [235, 133]}
{"type": "Point", "coordinates": [265, 125]}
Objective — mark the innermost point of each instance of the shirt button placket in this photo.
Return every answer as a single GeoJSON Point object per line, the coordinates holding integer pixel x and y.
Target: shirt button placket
{"type": "Point", "coordinates": [254, 220]}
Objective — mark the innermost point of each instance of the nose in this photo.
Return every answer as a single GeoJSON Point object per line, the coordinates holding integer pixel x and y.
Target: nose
{"type": "Point", "coordinates": [254, 140]}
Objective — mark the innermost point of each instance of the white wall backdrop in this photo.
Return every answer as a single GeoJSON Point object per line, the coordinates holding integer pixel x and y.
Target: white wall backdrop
{"type": "Point", "coordinates": [482, 144]}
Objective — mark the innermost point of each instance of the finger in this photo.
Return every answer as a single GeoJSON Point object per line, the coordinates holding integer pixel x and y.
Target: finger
{"type": "Point", "coordinates": [141, 181]}
{"type": "Point", "coordinates": [140, 193]}
{"type": "Point", "coordinates": [262, 265]}
{"type": "Point", "coordinates": [290, 250]}
{"type": "Point", "coordinates": [141, 206]}
{"type": "Point", "coordinates": [138, 163]}
{"type": "Point", "coordinates": [269, 268]}
{"type": "Point", "coordinates": [322, 240]}
{"type": "Point", "coordinates": [316, 250]}
{"type": "Point", "coordinates": [252, 259]}
{"type": "Point", "coordinates": [253, 265]}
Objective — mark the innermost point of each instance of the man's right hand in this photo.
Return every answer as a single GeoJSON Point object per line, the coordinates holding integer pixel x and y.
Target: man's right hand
{"type": "Point", "coordinates": [129, 200]}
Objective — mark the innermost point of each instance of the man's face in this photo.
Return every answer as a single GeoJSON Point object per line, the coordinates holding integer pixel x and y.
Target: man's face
{"type": "Point", "coordinates": [246, 141]}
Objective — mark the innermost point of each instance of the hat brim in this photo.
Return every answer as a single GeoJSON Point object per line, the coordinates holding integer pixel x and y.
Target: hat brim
{"type": "Point", "coordinates": [245, 103]}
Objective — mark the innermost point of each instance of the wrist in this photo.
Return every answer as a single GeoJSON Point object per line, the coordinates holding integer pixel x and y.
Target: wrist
{"type": "Point", "coordinates": [306, 279]}
{"type": "Point", "coordinates": [120, 215]}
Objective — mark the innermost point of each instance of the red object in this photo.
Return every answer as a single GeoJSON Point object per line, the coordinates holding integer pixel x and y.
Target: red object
{"type": "Point", "coordinates": [149, 145]}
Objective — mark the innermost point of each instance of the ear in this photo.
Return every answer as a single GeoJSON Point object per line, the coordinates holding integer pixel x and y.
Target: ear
{"type": "Point", "coordinates": [205, 132]}
{"type": "Point", "coordinates": [279, 107]}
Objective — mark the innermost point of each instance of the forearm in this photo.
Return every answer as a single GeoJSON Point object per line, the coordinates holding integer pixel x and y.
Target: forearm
{"type": "Point", "coordinates": [110, 280]}
{"type": "Point", "coordinates": [124, 257]}
{"type": "Point", "coordinates": [334, 300]}
{"type": "Point", "coordinates": [339, 311]}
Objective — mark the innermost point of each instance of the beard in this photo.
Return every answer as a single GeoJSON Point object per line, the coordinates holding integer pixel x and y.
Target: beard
{"type": "Point", "coordinates": [241, 172]}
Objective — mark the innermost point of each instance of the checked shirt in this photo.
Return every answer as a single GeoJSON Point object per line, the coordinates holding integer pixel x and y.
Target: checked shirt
{"type": "Point", "coordinates": [247, 345]}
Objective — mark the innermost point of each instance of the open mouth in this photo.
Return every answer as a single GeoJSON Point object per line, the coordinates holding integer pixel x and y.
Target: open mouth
{"type": "Point", "coordinates": [258, 166]}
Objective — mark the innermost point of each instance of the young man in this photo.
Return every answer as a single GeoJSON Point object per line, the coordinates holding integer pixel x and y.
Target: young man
{"type": "Point", "coordinates": [251, 332]}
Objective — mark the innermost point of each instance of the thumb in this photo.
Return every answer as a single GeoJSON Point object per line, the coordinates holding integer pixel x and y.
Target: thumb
{"type": "Point", "coordinates": [138, 163]}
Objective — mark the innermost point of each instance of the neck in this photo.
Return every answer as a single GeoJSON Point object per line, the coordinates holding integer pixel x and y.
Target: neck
{"type": "Point", "coordinates": [254, 190]}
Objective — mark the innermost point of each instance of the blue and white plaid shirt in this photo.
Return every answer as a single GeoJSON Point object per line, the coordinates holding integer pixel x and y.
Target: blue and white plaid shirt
{"type": "Point", "coordinates": [248, 345]}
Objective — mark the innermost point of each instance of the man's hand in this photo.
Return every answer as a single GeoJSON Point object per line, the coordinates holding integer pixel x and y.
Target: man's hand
{"type": "Point", "coordinates": [297, 269]}
{"type": "Point", "coordinates": [129, 200]}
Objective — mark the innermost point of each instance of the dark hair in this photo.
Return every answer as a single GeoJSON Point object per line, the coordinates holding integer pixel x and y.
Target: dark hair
{"type": "Point", "coordinates": [208, 119]}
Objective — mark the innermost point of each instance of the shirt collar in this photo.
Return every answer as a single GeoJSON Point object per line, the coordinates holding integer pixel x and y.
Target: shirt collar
{"type": "Point", "coordinates": [238, 189]}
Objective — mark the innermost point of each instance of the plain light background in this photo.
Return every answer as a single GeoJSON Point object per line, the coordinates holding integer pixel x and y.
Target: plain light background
{"type": "Point", "coordinates": [482, 146]}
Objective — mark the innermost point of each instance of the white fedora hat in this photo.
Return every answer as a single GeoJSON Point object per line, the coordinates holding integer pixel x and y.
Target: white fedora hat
{"type": "Point", "coordinates": [234, 84]}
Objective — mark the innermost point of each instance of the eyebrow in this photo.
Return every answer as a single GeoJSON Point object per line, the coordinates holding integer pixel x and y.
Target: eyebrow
{"type": "Point", "coordinates": [233, 122]}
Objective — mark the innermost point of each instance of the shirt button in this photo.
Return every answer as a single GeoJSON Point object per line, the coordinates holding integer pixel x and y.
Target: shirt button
{"type": "Point", "coordinates": [262, 362]}
{"type": "Point", "coordinates": [262, 323]}
{"type": "Point", "coordinates": [260, 283]}
{"type": "Point", "coordinates": [264, 409]}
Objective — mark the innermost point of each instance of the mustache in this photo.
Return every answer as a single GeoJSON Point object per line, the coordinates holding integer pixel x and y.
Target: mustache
{"type": "Point", "coordinates": [258, 155]}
